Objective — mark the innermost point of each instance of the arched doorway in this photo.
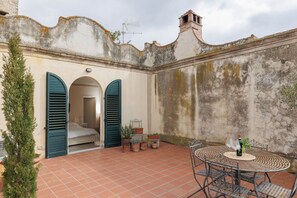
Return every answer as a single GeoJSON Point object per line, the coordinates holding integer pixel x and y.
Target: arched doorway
{"type": "Point", "coordinates": [85, 98]}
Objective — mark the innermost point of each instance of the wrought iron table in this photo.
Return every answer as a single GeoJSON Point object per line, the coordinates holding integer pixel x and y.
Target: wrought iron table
{"type": "Point", "coordinates": [264, 162]}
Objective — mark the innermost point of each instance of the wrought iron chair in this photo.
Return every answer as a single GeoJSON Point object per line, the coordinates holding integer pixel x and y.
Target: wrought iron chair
{"type": "Point", "coordinates": [274, 190]}
{"type": "Point", "coordinates": [257, 145]}
{"type": "Point", "coordinates": [248, 176]}
{"type": "Point", "coordinates": [197, 169]}
{"type": "Point", "coordinates": [229, 183]}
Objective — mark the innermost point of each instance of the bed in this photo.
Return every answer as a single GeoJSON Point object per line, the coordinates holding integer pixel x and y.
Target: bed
{"type": "Point", "coordinates": [80, 135]}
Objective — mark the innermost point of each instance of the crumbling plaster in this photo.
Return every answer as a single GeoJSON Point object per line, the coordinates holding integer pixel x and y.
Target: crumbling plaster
{"type": "Point", "coordinates": [9, 6]}
{"type": "Point", "coordinates": [213, 99]}
{"type": "Point", "coordinates": [193, 89]}
{"type": "Point", "coordinates": [84, 37]}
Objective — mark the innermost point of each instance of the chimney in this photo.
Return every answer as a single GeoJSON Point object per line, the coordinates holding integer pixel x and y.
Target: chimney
{"type": "Point", "coordinates": [9, 7]}
{"type": "Point", "coordinates": [190, 20]}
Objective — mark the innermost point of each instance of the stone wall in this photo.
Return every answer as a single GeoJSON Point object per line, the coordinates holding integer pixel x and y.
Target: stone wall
{"type": "Point", "coordinates": [10, 6]}
{"type": "Point", "coordinates": [214, 98]}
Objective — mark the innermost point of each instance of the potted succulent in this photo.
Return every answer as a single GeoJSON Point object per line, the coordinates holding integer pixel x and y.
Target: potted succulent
{"type": "Point", "coordinates": [135, 143]}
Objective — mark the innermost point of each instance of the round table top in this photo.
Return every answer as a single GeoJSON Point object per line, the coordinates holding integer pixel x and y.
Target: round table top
{"type": "Point", "coordinates": [265, 161]}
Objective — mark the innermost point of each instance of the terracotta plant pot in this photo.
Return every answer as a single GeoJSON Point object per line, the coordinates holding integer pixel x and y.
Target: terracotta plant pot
{"type": "Point", "coordinates": [153, 136]}
{"type": "Point", "coordinates": [135, 147]}
{"type": "Point", "coordinates": [143, 146]}
{"type": "Point", "coordinates": [154, 145]}
{"type": "Point", "coordinates": [137, 130]}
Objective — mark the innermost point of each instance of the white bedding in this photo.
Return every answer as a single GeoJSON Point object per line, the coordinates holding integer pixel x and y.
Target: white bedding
{"type": "Point", "coordinates": [75, 130]}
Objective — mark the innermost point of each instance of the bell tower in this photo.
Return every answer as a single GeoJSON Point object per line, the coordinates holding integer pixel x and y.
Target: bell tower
{"type": "Point", "coordinates": [9, 7]}
{"type": "Point", "coordinates": [190, 20]}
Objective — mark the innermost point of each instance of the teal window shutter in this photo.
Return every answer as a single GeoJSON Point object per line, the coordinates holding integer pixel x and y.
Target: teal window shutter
{"type": "Point", "coordinates": [113, 114]}
{"type": "Point", "coordinates": [56, 116]}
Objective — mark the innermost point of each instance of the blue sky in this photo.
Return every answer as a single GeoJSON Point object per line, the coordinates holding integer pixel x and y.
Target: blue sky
{"type": "Point", "coordinates": [223, 20]}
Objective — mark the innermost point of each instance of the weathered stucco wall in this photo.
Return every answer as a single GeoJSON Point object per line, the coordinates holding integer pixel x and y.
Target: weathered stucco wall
{"type": "Point", "coordinates": [188, 88]}
{"type": "Point", "coordinates": [86, 38]}
{"type": "Point", "coordinates": [212, 99]}
{"type": "Point", "coordinates": [10, 6]}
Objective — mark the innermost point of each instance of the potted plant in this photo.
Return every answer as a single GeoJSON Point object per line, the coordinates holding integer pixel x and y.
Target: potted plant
{"type": "Point", "coordinates": [137, 130]}
{"type": "Point", "coordinates": [154, 144]}
{"type": "Point", "coordinates": [126, 133]}
{"type": "Point", "coordinates": [143, 145]}
{"type": "Point", "coordinates": [135, 144]}
{"type": "Point", "coordinates": [153, 138]}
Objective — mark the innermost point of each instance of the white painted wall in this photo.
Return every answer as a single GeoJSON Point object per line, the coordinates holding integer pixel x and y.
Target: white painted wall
{"type": "Point", "coordinates": [134, 89]}
{"type": "Point", "coordinates": [76, 100]}
{"type": "Point", "coordinates": [187, 40]}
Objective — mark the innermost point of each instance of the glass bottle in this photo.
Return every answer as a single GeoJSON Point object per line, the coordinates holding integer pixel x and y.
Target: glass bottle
{"type": "Point", "coordinates": [239, 147]}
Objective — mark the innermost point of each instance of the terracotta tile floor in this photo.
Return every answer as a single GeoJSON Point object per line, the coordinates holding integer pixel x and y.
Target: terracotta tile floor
{"type": "Point", "coordinates": [164, 172]}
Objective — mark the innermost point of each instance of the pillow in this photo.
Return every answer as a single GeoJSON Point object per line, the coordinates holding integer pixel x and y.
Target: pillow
{"type": "Point", "coordinates": [73, 125]}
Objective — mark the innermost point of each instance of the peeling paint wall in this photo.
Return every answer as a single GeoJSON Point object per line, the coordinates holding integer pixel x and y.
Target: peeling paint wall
{"type": "Point", "coordinates": [213, 99]}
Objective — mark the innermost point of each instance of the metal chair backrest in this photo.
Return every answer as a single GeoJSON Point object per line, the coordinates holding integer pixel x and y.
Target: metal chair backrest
{"type": "Point", "coordinates": [226, 169]}
{"type": "Point", "coordinates": [294, 187]}
{"type": "Point", "coordinates": [257, 145]}
{"type": "Point", "coordinates": [232, 171]}
{"type": "Point", "coordinates": [193, 146]}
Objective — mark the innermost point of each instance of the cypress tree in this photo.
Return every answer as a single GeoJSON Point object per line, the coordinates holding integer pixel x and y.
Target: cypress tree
{"type": "Point", "coordinates": [19, 177]}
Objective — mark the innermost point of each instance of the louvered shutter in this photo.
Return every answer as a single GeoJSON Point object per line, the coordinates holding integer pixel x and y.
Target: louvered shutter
{"type": "Point", "coordinates": [113, 114]}
{"type": "Point", "coordinates": [56, 116]}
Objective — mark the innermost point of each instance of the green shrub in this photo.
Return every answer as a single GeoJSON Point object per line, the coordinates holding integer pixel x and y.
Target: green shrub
{"type": "Point", "coordinates": [126, 131]}
{"type": "Point", "coordinates": [19, 177]}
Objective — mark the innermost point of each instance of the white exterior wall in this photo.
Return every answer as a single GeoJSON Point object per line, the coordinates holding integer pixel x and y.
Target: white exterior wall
{"type": "Point", "coordinates": [134, 89]}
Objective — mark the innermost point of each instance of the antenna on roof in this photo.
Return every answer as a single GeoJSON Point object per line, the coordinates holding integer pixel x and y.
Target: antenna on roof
{"type": "Point", "coordinates": [125, 30]}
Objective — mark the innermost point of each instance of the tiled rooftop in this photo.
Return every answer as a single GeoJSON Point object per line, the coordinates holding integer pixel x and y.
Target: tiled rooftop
{"type": "Point", "coordinates": [163, 172]}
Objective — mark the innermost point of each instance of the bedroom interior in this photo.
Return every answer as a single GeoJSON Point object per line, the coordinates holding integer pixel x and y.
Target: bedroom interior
{"type": "Point", "coordinates": [84, 115]}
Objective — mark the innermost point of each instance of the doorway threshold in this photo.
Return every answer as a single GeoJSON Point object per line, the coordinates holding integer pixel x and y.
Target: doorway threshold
{"type": "Point", "coordinates": [83, 148]}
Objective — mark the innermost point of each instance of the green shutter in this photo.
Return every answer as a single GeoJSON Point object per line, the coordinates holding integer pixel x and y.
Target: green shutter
{"type": "Point", "coordinates": [56, 116]}
{"type": "Point", "coordinates": [113, 114]}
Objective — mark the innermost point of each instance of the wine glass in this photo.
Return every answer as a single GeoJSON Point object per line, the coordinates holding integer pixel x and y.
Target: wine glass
{"type": "Point", "coordinates": [228, 142]}
{"type": "Point", "coordinates": [232, 143]}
